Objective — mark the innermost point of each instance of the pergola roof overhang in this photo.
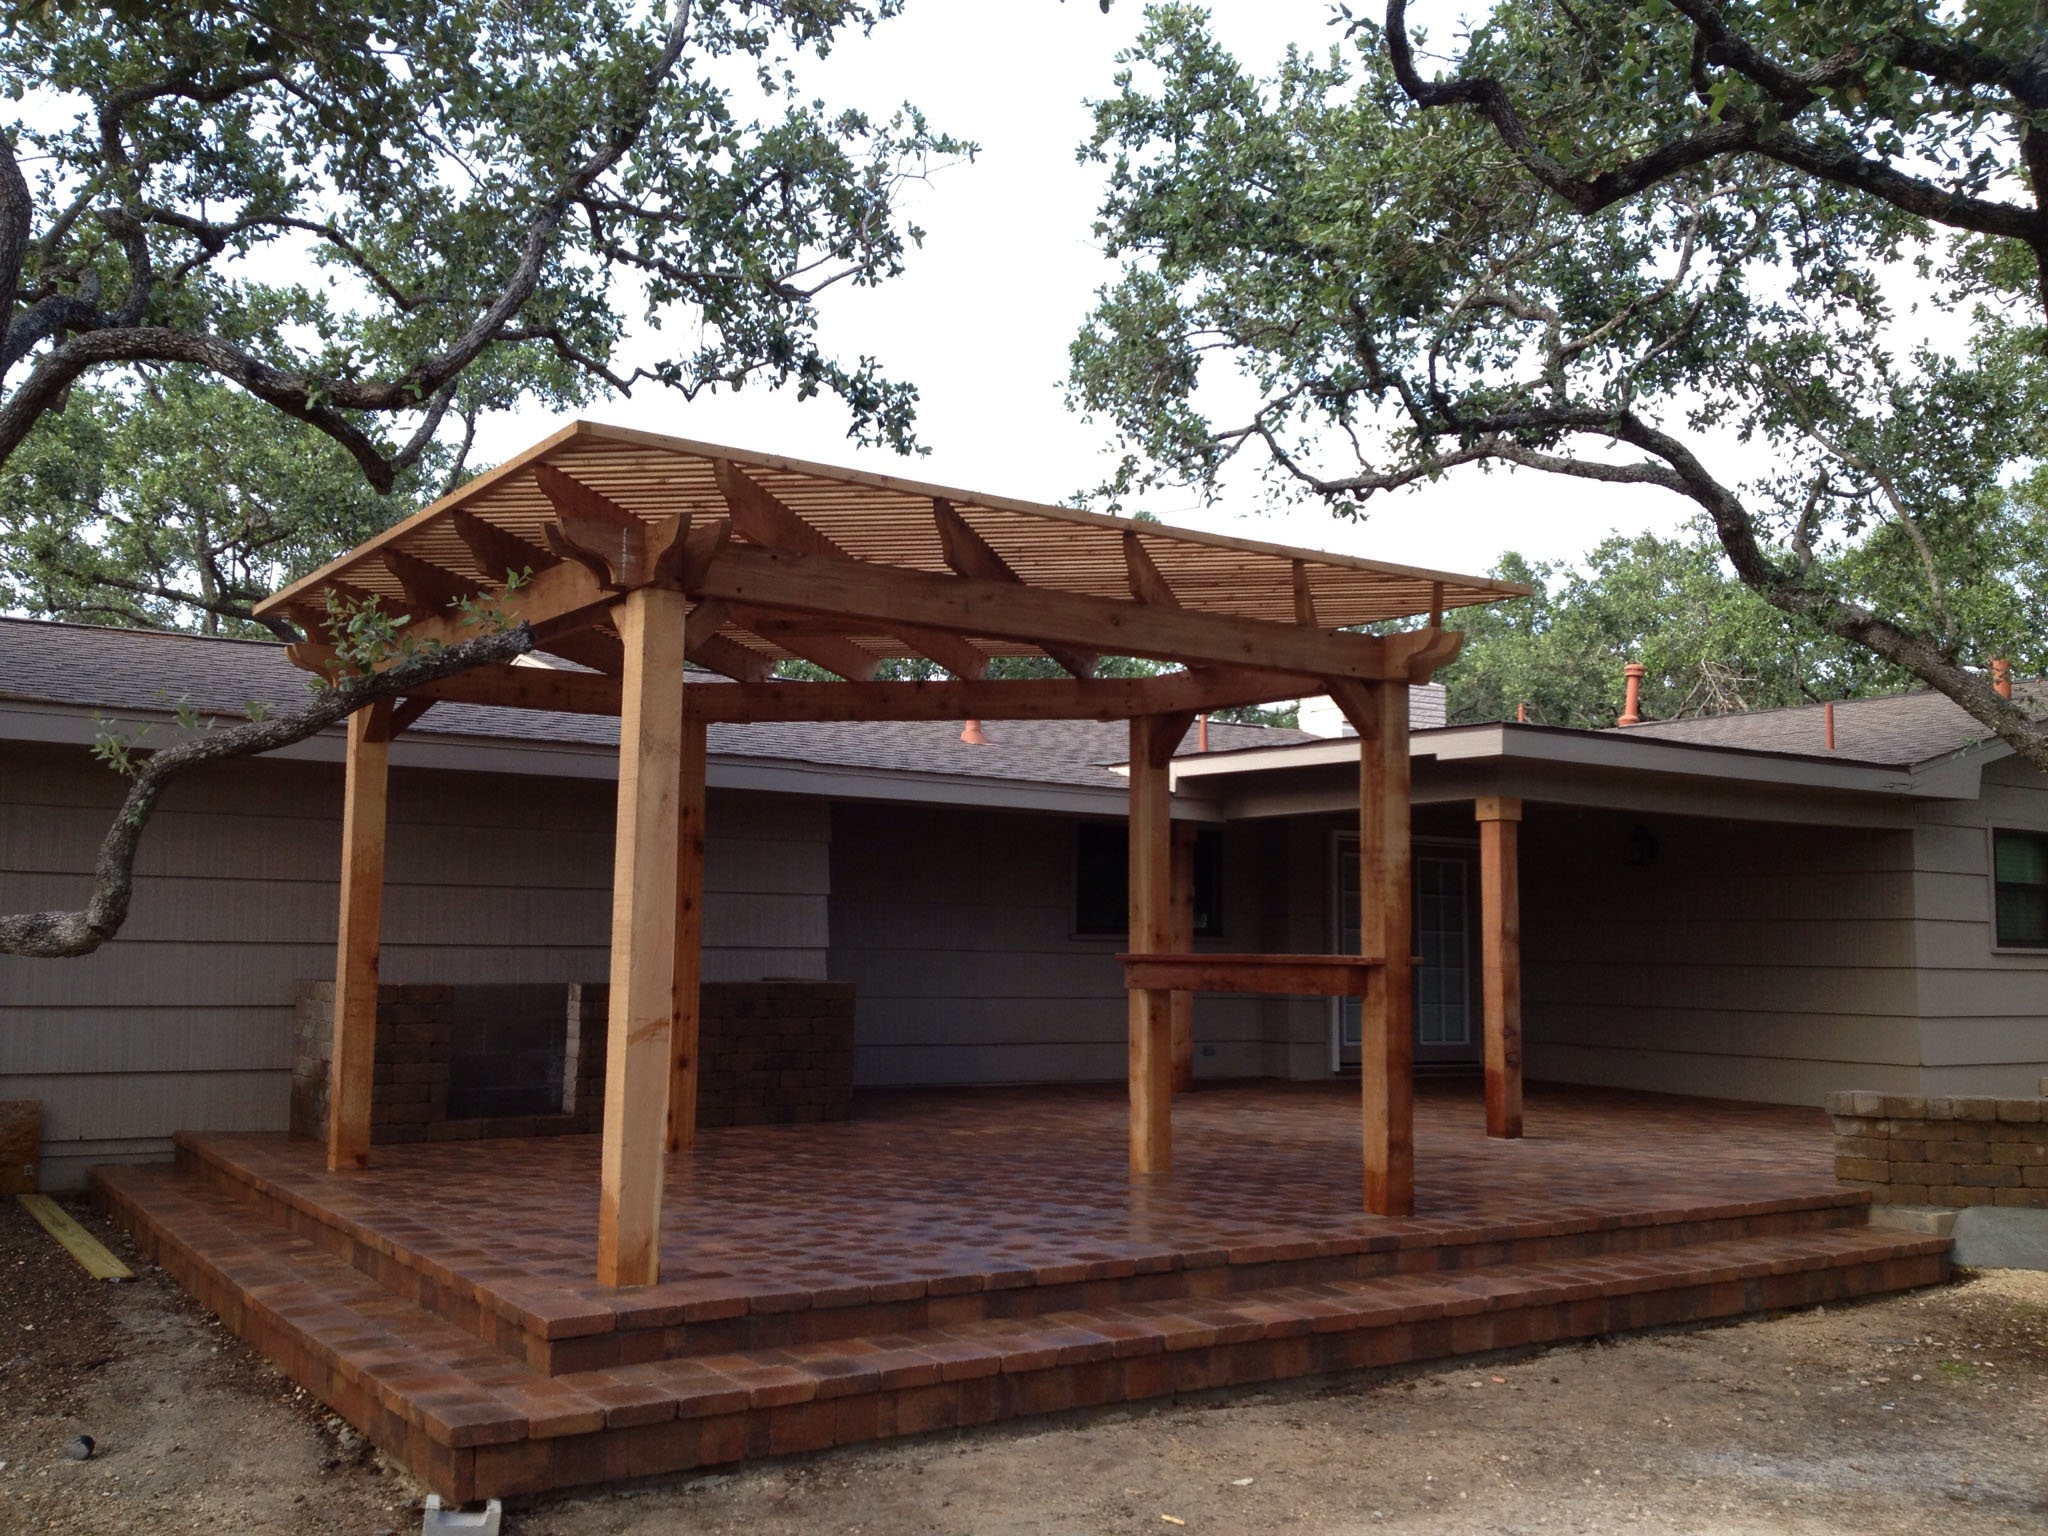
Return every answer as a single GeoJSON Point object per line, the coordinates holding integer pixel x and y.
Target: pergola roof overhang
{"type": "Point", "coordinates": [782, 558]}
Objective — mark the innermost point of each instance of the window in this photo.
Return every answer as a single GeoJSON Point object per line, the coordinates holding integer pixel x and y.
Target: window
{"type": "Point", "coordinates": [2020, 862]}
{"type": "Point", "coordinates": [1102, 875]}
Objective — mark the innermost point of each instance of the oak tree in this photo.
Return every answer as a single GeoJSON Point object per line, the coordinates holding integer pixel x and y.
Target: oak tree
{"type": "Point", "coordinates": [1783, 260]}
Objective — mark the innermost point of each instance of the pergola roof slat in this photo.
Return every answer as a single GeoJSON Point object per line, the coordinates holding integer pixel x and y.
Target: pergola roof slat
{"type": "Point", "coordinates": [879, 519]}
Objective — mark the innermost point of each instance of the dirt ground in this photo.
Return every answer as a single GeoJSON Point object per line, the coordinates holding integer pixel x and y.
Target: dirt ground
{"type": "Point", "coordinates": [1921, 1413]}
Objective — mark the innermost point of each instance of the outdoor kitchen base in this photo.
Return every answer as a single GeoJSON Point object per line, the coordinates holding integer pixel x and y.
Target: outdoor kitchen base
{"type": "Point", "coordinates": [947, 1259]}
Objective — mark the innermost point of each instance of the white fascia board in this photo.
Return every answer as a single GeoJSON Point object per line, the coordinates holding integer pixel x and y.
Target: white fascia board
{"type": "Point", "coordinates": [63, 725]}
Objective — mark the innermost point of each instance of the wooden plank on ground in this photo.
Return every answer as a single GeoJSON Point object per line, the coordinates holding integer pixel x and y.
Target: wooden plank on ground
{"type": "Point", "coordinates": [21, 1145]}
{"type": "Point", "coordinates": [352, 1064]}
{"type": "Point", "coordinates": [78, 1242]}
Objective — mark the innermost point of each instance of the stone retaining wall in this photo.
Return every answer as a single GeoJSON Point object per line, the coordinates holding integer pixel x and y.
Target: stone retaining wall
{"type": "Point", "coordinates": [770, 1052]}
{"type": "Point", "coordinates": [417, 1029]}
{"type": "Point", "coordinates": [1911, 1150]}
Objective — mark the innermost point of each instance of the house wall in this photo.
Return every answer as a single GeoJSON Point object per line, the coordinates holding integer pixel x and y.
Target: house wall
{"type": "Point", "coordinates": [184, 1021]}
{"type": "Point", "coordinates": [1745, 960]}
{"type": "Point", "coordinates": [1983, 1013]}
{"type": "Point", "coordinates": [956, 929]}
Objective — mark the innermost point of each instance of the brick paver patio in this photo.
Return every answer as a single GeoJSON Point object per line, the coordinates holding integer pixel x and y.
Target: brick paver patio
{"type": "Point", "coordinates": [953, 1258]}
{"type": "Point", "coordinates": [943, 1189]}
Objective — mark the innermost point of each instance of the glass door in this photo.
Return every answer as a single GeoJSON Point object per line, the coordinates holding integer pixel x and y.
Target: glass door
{"type": "Point", "coordinates": [1443, 938]}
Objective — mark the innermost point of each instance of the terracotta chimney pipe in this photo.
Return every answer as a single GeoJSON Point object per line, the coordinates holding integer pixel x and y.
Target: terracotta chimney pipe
{"type": "Point", "coordinates": [1202, 734]}
{"type": "Point", "coordinates": [2001, 677]}
{"type": "Point", "coordinates": [1630, 713]}
{"type": "Point", "coordinates": [971, 734]}
{"type": "Point", "coordinates": [1828, 715]}
{"type": "Point", "coordinates": [1522, 714]}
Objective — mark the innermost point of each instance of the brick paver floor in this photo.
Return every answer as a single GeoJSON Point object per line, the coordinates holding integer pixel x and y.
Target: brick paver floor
{"type": "Point", "coordinates": [1022, 1182]}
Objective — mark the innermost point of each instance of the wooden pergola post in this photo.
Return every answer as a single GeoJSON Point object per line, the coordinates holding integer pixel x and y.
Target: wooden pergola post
{"type": "Point", "coordinates": [1500, 928]}
{"type": "Point", "coordinates": [1379, 711]}
{"type": "Point", "coordinates": [689, 961]}
{"type": "Point", "coordinates": [645, 867]}
{"type": "Point", "coordinates": [1183, 942]}
{"type": "Point", "coordinates": [1153, 739]}
{"type": "Point", "coordinates": [352, 1065]}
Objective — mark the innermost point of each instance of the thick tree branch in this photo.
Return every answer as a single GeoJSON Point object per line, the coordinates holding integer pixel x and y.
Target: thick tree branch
{"type": "Point", "coordinates": [1680, 470]}
{"type": "Point", "coordinates": [65, 935]}
{"type": "Point", "coordinates": [221, 605]}
{"type": "Point", "coordinates": [17, 222]}
{"type": "Point", "coordinates": [1735, 133]}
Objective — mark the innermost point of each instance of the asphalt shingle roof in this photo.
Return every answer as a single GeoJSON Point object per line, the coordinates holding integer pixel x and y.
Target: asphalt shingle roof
{"type": "Point", "coordinates": [1897, 730]}
{"type": "Point", "coordinates": [121, 670]}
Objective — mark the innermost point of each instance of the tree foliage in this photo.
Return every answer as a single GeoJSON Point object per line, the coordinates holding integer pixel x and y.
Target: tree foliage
{"type": "Point", "coordinates": [180, 502]}
{"type": "Point", "coordinates": [1711, 644]}
{"type": "Point", "coordinates": [1781, 260]}
{"type": "Point", "coordinates": [379, 218]}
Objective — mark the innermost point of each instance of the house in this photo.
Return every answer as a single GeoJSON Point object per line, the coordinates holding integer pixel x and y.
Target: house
{"type": "Point", "coordinates": [740, 898]}
{"type": "Point", "coordinates": [1722, 906]}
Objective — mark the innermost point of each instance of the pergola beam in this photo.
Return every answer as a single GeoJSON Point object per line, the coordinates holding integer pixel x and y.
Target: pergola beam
{"type": "Point", "coordinates": [498, 553]}
{"type": "Point", "coordinates": [1118, 698]}
{"type": "Point", "coordinates": [972, 556]}
{"type": "Point", "coordinates": [805, 638]}
{"type": "Point", "coordinates": [587, 648]}
{"type": "Point", "coordinates": [1147, 585]}
{"type": "Point", "coordinates": [595, 531]}
{"type": "Point", "coordinates": [875, 597]}
{"type": "Point", "coordinates": [703, 644]}
{"type": "Point", "coordinates": [762, 518]}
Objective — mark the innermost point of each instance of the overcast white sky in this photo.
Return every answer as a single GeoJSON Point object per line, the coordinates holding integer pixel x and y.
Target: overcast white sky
{"type": "Point", "coordinates": [982, 318]}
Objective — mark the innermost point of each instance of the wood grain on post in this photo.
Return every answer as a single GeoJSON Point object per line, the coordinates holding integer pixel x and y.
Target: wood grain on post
{"type": "Point", "coordinates": [1379, 711]}
{"type": "Point", "coordinates": [1153, 738]}
{"type": "Point", "coordinates": [1500, 930]}
{"type": "Point", "coordinates": [644, 875]}
{"type": "Point", "coordinates": [352, 1064]}
{"type": "Point", "coordinates": [1182, 941]}
{"type": "Point", "coordinates": [689, 961]}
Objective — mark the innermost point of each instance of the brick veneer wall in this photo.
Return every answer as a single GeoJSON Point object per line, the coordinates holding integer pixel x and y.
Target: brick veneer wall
{"type": "Point", "coordinates": [770, 1052]}
{"type": "Point", "coordinates": [1910, 1150]}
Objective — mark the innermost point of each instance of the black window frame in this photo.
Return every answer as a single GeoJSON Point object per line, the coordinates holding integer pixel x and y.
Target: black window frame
{"type": "Point", "coordinates": [2003, 891]}
{"type": "Point", "coordinates": [1102, 875]}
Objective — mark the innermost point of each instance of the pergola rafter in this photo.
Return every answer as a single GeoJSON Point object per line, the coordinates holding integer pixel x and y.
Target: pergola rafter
{"type": "Point", "coordinates": [634, 554]}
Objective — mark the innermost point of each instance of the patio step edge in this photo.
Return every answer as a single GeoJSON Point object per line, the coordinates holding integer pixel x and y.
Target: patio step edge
{"type": "Point", "coordinates": [475, 1426]}
{"type": "Point", "coordinates": [562, 1330]}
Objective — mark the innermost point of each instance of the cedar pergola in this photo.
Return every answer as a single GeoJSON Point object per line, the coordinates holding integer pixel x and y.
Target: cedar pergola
{"type": "Point", "coordinates": [641, 552]}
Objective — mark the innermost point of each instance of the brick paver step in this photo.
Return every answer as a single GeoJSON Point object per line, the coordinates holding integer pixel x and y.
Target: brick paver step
{"type": "Point", "coordinates": [564, 1325]}
{"type": "Point", "coordinates": [474, 1422]}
